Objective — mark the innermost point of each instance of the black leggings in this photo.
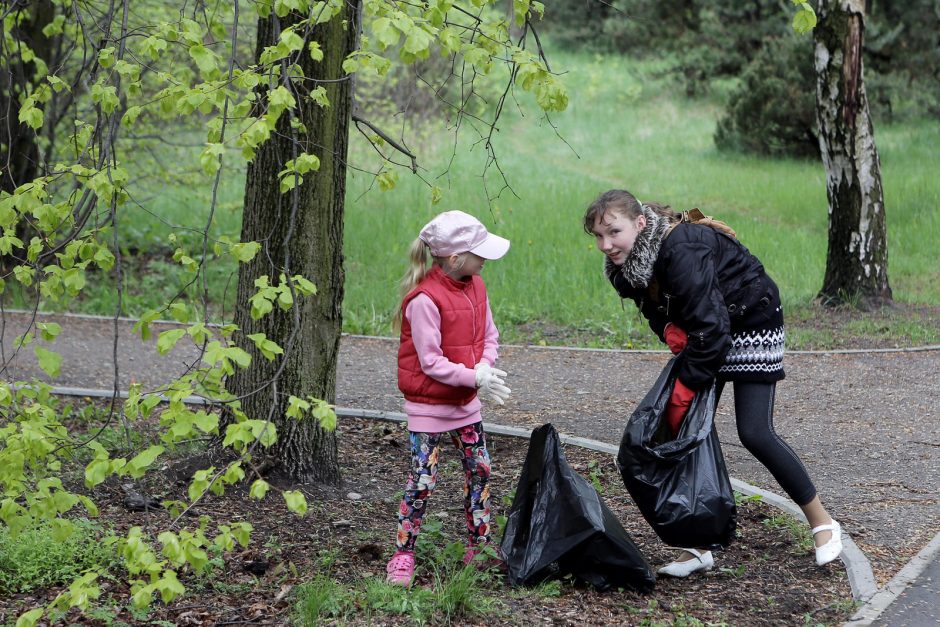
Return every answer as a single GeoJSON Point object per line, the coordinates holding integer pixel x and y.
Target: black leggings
{"type": "Point", "coordinates": [754, 413]}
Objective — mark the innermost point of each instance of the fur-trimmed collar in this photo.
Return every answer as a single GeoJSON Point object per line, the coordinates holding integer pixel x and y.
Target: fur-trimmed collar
{"type": "Point", "coordinates": [637, 269]}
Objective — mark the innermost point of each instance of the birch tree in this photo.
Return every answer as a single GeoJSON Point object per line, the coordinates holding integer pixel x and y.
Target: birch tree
{"type": "Point", "coordinates": [857, 257]}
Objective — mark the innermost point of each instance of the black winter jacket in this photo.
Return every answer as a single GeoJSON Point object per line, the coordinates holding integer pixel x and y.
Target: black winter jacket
{"type": "Point", "coordinates": [711, 286]}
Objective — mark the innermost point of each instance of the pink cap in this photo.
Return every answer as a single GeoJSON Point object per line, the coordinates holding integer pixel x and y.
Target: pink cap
{"type": "Point", "coordinates": [455, 232]}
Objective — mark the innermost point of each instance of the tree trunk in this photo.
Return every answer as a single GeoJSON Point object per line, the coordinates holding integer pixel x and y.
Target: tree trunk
{"type": "Point", "coordinates": [19, 150]}
{"type": "Point", "coordinates": [857, 260]}
{"type": "Point", "coordinates": [300, 234]}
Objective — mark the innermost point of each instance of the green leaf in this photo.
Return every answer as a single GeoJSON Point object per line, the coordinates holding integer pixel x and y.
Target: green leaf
{"type": "Point", "coordinates": [106, 57]}
{"type": "Point", "coordinates": [30, 618]}
{"type": "Point", "coordinates": [153, 47]}
{"type": "Point", "coordinates": [168, 339]}
{"type": "Point", "coordinates": [325, 415]}
{"type": "Point", "coordinates": [204, 58]}
{"type": "Point", "coordinates": [387, 180]}
{"type": "Point", "coordinates": [296, 502]}
{"type": "Point", "coordinates": [269, 349]}
{"type": "Point", "coordinates": [233, 473]}
{"type": "Point", "coordinates": [179, 312]}
{"type": "Point", "coordinates": [296, 407]}
{"type": "Point", "coordinates": [96, 472]}
{"type": "Point", "coordinates": [54, 27]}
{"type": "Point", "coordinates": [170, 587]}
{"type": "Point", "coordinates": [139, 464]}
{"type": "Point", "coordinates": [48, 331]}
{"type": "Point", "coordinates": [31, 115]}
{"type": "Point", "coordinates": [259, 489]}
{"type": "Point", "coordinates": [171, 547]}
{"type": "Point", "coordinates": [211, 158]}
{"type": "Point", "coordinates": [200, 483]}
{"type": "Point", "coordinates": [805, 19]}
{"type": "Point", "coordinates": [206, 422]}
{"type": "Point", "coordinates": [49, 361]}
{"type": "Point", "coordinates": [89, 505]}
{"type": "Point", "coordinates": [143, 324]}
{"type": "Point", "coordinates": [241, 531]}
{"type": "Point", "coordinates": [245, 252]}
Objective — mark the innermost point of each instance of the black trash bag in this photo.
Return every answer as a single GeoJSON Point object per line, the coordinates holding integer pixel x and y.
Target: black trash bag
{"type": "Point", "coordinates": [681, 484]}
{"type": "Point", "coordinates": [558, 525]}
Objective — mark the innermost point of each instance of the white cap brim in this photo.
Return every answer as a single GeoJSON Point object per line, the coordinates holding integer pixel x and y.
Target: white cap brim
{"type": "Point", "coordinates": [493, 247]}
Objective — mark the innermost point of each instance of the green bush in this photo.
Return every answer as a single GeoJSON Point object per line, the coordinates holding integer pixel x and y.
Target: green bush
{"type": "Point", "coordinates": [35, 558]}
{"type": "Point", "coordinates": [773, 110]}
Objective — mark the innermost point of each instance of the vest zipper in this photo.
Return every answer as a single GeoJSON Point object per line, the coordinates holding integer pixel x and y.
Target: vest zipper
{"type": "Point", "coordinates": [473, 328]}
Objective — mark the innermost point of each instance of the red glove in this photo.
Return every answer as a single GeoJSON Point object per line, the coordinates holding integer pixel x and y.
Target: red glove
{"type": "Point", "coordinates": [678, 405]}
{"type": "Point", "coordinates": [676, 338]}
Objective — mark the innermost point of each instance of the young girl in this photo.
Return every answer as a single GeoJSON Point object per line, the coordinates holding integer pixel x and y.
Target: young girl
{"type": "Point", "coordinates": [448, 347]}
{"type": "Point", "coordinates": [711, 301]}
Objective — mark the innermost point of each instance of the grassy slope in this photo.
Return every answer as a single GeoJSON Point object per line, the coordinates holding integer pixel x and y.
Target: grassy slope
{"type": "Point", "coordinates": [625, 130]}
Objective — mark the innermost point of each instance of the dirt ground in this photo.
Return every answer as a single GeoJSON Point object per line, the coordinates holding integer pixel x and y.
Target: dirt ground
{"type": "Point", "coordinates": [766, 576]}
{"type": "Point", "coordinates": [864, 422]}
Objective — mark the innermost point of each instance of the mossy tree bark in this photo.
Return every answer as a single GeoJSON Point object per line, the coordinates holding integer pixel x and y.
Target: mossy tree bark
{"type": "Point", "coordinates": [300, 233]}
{"type": "Point", "coordinates": [857, 259]}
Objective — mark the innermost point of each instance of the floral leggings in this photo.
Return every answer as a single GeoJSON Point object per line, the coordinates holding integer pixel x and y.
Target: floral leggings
{"type": "Point", "coordinates": [425, 451]}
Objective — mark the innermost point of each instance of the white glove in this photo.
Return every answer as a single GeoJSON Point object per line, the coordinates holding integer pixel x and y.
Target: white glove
{"type": "Point", "coordinates": [490, 383]}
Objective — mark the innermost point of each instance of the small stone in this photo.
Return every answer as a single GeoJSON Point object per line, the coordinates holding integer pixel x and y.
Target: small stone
{"type": "Point", "coordinates": [342, 523]}
{"type": "Point", "coordinates": [354, 496]}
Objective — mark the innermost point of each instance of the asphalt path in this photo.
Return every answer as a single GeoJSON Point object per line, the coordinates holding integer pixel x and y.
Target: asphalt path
{"type": "Point", "coordinates": [866, 424]}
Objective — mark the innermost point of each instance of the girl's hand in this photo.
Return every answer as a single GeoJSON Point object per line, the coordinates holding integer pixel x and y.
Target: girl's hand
{"type": "Point", "coordinates": [490, 383]}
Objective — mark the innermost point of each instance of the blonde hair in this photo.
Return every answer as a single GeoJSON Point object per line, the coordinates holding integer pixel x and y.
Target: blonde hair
{"type": "Point", "coordinates": [418, 269]}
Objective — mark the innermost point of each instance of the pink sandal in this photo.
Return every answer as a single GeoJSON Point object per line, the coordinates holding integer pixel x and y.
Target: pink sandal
{"type": "Point", "coordinates": [401, 569]}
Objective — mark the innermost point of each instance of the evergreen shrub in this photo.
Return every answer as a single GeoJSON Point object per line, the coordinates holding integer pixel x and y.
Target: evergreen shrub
{"type": "Point", "coordinates": [773, 110]}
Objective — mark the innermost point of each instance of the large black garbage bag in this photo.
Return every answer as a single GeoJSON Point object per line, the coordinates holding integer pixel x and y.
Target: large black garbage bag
{"type": "Point", "coordinates": [680, 485]}
{"type": "Point", "coordinates": [558, 525]}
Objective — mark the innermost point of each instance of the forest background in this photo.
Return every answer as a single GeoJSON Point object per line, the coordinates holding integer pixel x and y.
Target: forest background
{"type": "Point", "coordinates": [690, 103]}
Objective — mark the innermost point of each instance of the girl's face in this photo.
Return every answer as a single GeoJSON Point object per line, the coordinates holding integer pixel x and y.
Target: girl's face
{"type": "Point", "coordinates": [464, 265]}
{"type": "Point", "coordinates": [615, 234]}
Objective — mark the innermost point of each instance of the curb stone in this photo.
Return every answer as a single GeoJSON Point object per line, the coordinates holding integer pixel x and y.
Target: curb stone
{"type": "Point", "coordinates": [858, 568]}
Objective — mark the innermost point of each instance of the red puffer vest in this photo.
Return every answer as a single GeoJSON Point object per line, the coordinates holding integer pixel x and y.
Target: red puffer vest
{"type": "Point", "coordinates": [463, 326]}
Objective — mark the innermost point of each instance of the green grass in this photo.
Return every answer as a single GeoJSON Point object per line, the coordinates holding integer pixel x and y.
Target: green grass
{"type": "Point", "coordinates": [624, 128]}
{"type": "Point", "coordinates": [455, 593]}
{"type": "Point", "coordinates": [41, 557]}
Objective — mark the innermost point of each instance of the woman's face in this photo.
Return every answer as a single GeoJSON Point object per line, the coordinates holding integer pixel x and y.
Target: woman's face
{"type": "Point", "coordinates": [616, 233]}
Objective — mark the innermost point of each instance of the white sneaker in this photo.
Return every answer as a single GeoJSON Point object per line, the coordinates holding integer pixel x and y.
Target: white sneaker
{"type": "Point", "coordinates": [829, 551]}
{"type": "Point", "coordinates": [699, 561]}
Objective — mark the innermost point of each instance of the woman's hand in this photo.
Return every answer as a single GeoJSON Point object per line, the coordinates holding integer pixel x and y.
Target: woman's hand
{"type": "Point", "coordinates": [678, 405]}
{"type": "Point", "coordinates": [676, 338]}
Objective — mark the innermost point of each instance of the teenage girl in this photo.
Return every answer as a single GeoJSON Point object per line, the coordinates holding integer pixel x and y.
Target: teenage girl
{"type": "Point", "coordinates": [445, 364]}
{"type": "Point", "coordinates": [711, 301]}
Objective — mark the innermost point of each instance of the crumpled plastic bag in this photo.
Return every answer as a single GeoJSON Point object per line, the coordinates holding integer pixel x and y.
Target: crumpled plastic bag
{"type": "Point", "coordinates": [680, 485]}
{"type": "Point", "coordinates": [558, 525]}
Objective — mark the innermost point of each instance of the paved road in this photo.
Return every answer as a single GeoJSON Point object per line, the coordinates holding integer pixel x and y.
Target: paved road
{"type": "Point", "coordinates": [867, 425]}
{"type": "Point", "coordinates": [918, 605]}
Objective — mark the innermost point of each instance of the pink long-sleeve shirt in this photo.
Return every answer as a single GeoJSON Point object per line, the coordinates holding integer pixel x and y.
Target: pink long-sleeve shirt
{"type": "Point", "coordinates": [425, 319]}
